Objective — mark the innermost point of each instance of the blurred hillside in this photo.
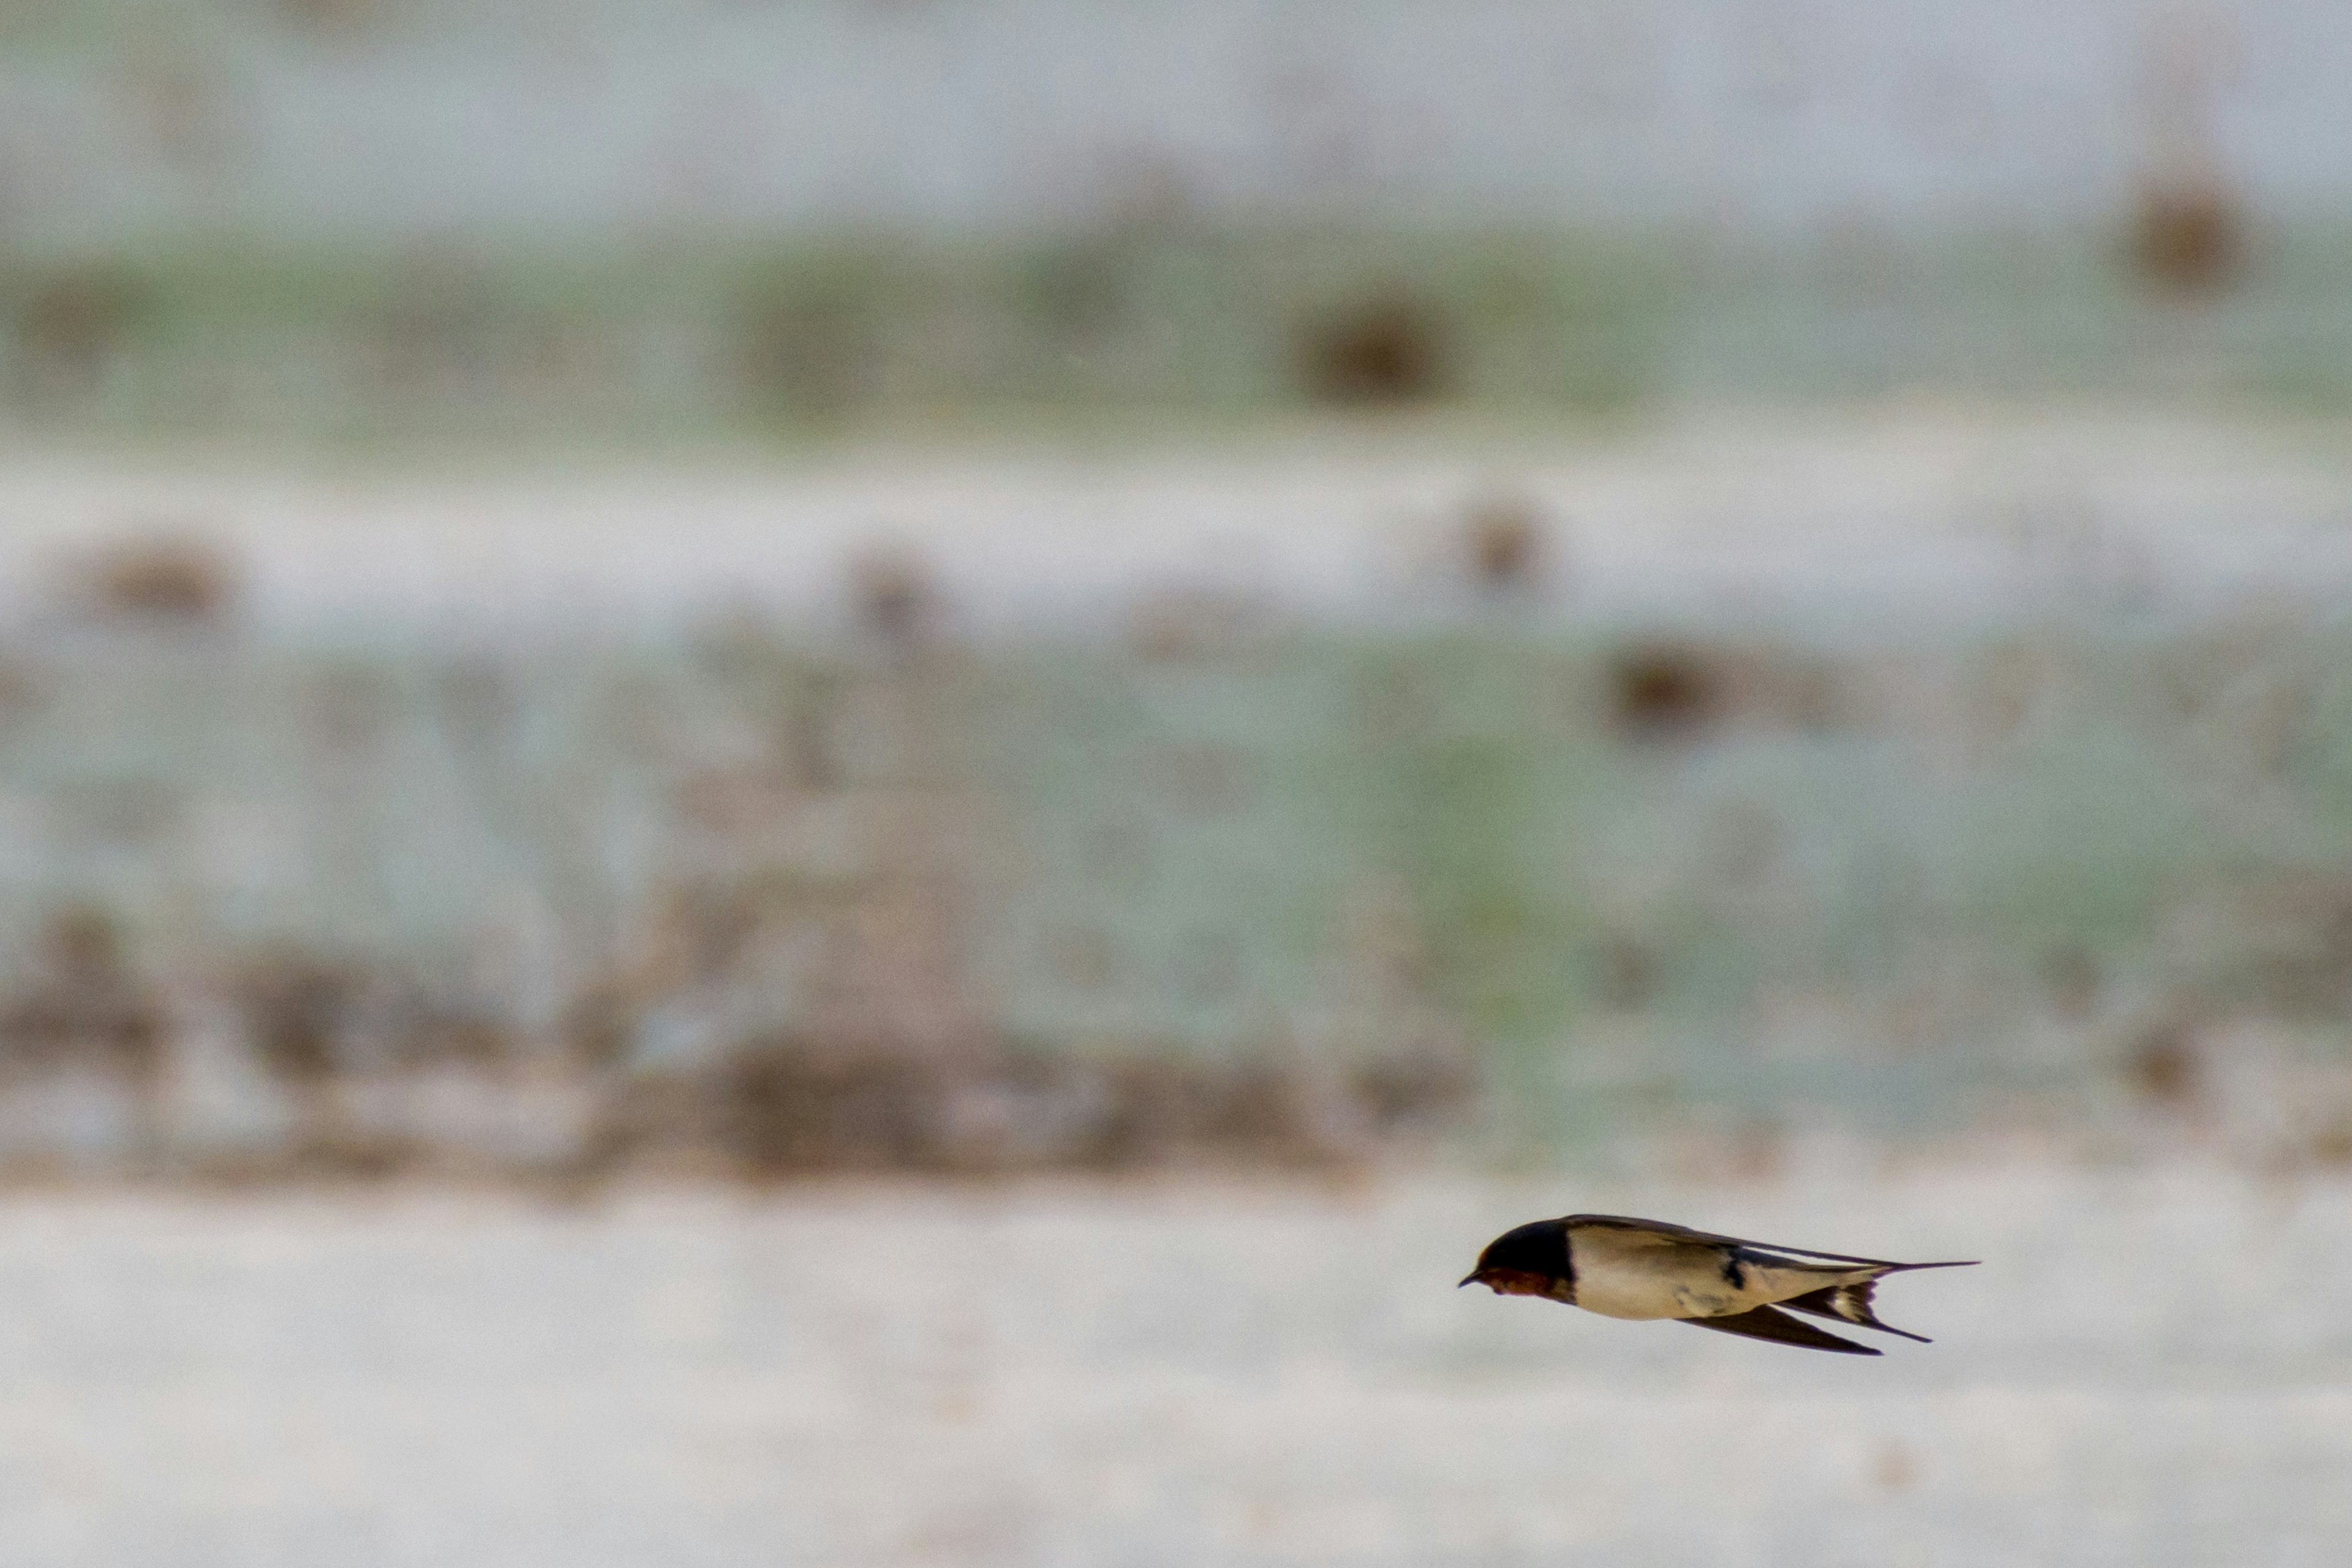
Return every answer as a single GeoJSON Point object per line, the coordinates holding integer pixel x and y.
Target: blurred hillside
{"type": "Point", "coordinates": [1122, 330]}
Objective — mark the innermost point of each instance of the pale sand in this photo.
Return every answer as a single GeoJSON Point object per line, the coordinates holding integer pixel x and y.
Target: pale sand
{"type": "Point", "coordinates": [2148, 1369]}
{"type": "Point", "coordinates": [1912, 510]}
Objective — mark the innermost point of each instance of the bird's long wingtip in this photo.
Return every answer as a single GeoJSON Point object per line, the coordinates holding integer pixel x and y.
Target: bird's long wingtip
{"type": "Point", "coordinates": [1771, 1323]}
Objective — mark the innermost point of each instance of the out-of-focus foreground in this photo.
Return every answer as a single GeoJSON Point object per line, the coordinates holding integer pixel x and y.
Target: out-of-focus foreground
{"type": "Point", "coordinates": [2149, 1370]}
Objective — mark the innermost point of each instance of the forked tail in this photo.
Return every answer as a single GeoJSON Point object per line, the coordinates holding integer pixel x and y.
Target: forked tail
{"type": "Point", "coordinates": [1851, 1303]}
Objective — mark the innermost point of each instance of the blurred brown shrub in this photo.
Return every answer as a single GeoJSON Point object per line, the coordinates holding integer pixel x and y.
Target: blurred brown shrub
{"type": "Point", "coordinates": [2163, 1063]}
{"type": "Point", "coordinates": [786, 1106]}
{"type": "Point", "coordinates": [85, 1005]}
{"type": "Point", "coordinates": [164, 577]}
{"type": "Point", "coordinates": [84, 1000]}
{"type": "Point", "coordinates": [1674, 691]}
{"type": "Point", "coordinates": [1390, 349]}
{"type": "Point", "coordinates": [295, 1007]}
{"type": "Point", "coordinates": [1666, 692]}
{"type": "Point", "coordinates": [2188, 235]}
{"type": "Point", "coordinates": [798, 1104]}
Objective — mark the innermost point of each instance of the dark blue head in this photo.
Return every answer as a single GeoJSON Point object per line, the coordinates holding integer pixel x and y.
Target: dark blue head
{"type": "Point", "coordinates": [1529, 1261]}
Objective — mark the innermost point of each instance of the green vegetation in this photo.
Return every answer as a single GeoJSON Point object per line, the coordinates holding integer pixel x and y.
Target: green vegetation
{"type": "Point", "coordinates": [1823, 908]}
{"type": "Point", "coordinates": [1635, 877]}
{"type": "Point", "coordinates": [1120, 328]}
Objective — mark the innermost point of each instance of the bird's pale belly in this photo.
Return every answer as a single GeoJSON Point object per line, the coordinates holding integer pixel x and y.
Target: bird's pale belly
{"type": "Point", "coordinates": [1642, 1293]}
{"type": "Point", "coordinates": [1636, 1280]}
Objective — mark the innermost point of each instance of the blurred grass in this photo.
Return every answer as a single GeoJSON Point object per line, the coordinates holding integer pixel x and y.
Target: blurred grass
{"type": "Point", "coordinates": [1125, 326]}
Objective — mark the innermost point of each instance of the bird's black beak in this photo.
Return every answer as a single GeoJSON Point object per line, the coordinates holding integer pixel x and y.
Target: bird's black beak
{"type": "Point", "coordinates": [1471, 1280]}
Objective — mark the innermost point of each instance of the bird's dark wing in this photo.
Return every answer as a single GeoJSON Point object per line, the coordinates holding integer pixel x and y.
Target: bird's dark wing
{"type": "Point", "coordinates": [1765, 1323]}
{"type": "Point", "coordinates": [1684, 1233]}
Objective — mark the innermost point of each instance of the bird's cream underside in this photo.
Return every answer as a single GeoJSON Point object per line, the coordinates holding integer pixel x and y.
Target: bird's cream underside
{"type": "Point", "coordinates": [1622, 1273]}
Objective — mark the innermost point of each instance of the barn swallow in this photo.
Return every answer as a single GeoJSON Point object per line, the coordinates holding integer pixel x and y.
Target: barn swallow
{"type": "Point", "coordinates": [1624, 1268]}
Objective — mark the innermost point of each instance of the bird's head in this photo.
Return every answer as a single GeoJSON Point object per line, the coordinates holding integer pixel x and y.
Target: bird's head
{"type": "Point", "coordinates": [1529, 1261]}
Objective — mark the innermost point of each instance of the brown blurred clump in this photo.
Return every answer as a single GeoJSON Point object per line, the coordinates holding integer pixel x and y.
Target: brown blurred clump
{"type": "Point", "coordinates": [2189, 229]}
{"type": "Point", "coordinates": [1665, 692]}
{"type": "Point", "coordinates": [166, 577]}
{"type": "Point", "coordinates": [798, 1104]}
{"type": "Point", "coordinates": [293, 1008]}
{"type": "Point", "coordinates": [84, 1005]}
{"type": "Point", "coordinates": [1390, 350]}
{"type": "Point", "coordinates": [790, 1106]}
{"type": "Point", "coordinates": [1506, 546]}
{"type": "Point", "coordinates": [1675, 692]}
{"type": "Point", "coordinates": [2163, 1062]}
{"type": "Point", "coordinates": [2189, 235]}
{"type": "Point", "coordinates": [348, 1042]}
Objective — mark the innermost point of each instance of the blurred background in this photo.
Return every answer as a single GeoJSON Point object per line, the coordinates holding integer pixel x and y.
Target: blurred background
{"type": "Point", "coordinates": [851, 782]}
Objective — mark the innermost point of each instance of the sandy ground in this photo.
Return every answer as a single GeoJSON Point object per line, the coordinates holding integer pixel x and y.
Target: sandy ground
{"type": "Point", "coordinates": [1926, 509]}
{"type": "Point", "coordinates": [2149, 1369]}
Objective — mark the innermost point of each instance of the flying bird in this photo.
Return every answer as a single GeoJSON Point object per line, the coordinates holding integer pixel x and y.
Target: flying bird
{"type": "Point", "coordinates": [1624, 1268]}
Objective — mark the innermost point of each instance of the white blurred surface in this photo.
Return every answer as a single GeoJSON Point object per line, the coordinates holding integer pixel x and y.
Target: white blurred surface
{"type": "Point", "coordinates": [1947, 512]}
{"type": "Point", "coordinates": [620, 117]}
{"type": "Point", "coordinates": [2150, 1368]}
